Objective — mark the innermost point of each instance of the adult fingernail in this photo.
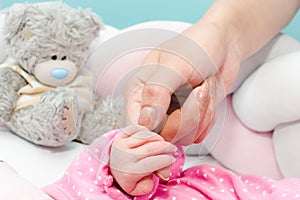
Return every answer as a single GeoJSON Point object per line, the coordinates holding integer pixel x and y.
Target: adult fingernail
{"type": "Point", "coordinates": [152, 117]}
{"type": "Point", "coordinates": [146, 117]}
{"type": "Point", "coordinates": [203, 94]}
{"type": "Point", "coordinates": [212, 83]}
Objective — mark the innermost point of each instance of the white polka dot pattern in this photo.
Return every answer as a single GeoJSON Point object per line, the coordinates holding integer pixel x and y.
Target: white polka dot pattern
{"type": "Point", "coordinates": [88, 178]}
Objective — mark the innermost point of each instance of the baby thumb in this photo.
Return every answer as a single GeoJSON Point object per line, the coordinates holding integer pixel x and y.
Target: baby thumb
{"type": "Point", "coordinates": [143, 186]}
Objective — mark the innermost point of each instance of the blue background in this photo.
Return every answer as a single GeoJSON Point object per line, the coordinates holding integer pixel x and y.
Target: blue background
{"type": "Point", "coordinates": [123, 13]}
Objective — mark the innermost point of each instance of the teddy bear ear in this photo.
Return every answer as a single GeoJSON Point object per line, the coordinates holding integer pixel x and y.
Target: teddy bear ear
{"type": "Point", "coordinates": [14, 21]}
{"type": "Point", "coordinates": [90, 28]}
{"type": "Point", "coordinates": [93, 20]}
{"type": "Point", "coordinates": [91, 23]}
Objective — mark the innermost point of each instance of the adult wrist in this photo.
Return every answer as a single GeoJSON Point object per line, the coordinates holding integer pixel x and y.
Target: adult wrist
{"type": "Point", "coordinates": [227, 20]}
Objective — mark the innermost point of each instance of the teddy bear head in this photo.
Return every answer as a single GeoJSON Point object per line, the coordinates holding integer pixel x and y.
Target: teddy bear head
{"type": "Point", "coordinates": [50, 40]}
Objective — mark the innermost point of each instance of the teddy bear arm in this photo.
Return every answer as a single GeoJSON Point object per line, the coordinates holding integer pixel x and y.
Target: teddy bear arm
{"type": "Point", "coordinates": [10, 83]}
{"type": "Point", "coordinates": [54, 121]}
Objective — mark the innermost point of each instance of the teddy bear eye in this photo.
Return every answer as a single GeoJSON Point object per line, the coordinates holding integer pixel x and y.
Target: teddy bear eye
{"type": "Point", "coordinates": [64, 58]}
{"type": "Point", "coordinates": [54, 57]}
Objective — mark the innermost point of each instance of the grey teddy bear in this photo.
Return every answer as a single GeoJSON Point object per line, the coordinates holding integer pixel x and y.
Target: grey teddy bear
{"type": "Point", "coordinates": [46, 95]}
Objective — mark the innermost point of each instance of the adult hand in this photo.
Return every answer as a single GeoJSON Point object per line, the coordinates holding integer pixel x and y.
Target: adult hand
{"type": "Point", "coordinates": [136, 153]}
{"type": "Point", "coordinates": [168, 93]}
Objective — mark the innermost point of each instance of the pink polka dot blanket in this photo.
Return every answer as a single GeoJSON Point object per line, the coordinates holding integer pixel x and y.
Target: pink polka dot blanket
{"type": "Point", "coordinates": [88, 178]}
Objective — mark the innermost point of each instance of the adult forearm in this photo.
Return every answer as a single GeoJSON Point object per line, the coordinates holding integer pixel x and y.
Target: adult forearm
{"type": "Point", "coordinates": [251, 23]}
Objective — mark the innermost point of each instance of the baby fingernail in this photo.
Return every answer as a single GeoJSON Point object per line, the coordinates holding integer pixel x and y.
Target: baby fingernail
{"type": "Point", "coordinates": [173, 148]}
{"type": "Point", "coordinates": [161, 176]}
{"type": "Point", "coordinates": [173, 159]}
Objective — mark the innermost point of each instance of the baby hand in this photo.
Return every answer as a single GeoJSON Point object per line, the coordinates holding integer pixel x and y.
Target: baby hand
{"type": "Point", "coordinates": [136, 153]}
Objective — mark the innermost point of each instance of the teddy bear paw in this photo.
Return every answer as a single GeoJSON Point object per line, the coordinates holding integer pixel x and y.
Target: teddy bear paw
{"type": "Point", "coordinates": [69, 121]}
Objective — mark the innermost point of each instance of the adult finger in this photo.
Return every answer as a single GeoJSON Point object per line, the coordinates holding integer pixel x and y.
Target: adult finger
{"type": "Point", "coordinates": [180, 61]}
{"type": "Point", "coordinates": [171, 126]}
{"type": "Point", "coordinates": [202, 130]}
{"type": "Point", "coordinates": [147, 98]}
{"type": "Point", "coordinates": [205, 132]}
{"type": "Point", "coordinates": [133, 93]}
{"type": "Point", "coordinates": [207, 116]}
{"type": "Point", "coordinates": [189, 116]}
{"type": "Point", "coordinates": [151, 86]}
{"type": "Point", "coordinates": [156, 95]}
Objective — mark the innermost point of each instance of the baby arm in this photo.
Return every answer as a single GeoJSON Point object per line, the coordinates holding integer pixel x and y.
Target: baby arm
{"type": "Point", "coordinates": [135, 154]}
{"type": "Point", "coordinates": [123, 158]}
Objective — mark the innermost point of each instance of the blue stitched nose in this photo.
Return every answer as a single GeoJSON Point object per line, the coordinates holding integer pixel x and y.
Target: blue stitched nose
{"type": "Point", "coordinates": [59, 73]}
